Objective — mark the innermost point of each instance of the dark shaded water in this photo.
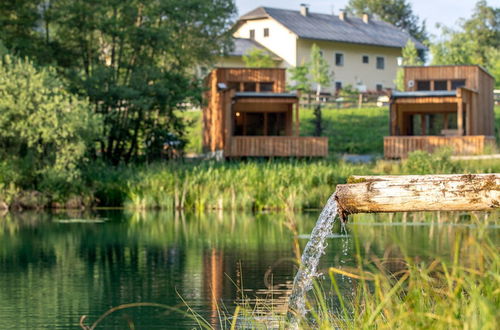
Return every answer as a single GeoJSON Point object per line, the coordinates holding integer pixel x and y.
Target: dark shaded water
{"type": "Point", "coordinates": [55, 268]}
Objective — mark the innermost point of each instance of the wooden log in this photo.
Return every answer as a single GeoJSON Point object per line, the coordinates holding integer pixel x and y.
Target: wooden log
{"type": "Point", "coordinates": [456, 192]}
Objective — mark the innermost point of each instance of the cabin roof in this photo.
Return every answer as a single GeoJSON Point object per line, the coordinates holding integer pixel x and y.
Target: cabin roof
{"type": "Point", "coordinates": [332, 28]}
{"type": "Point", "coordinates": [264, 95]}
{"type": "Point", "coordinates": [400, 95]}
{"type": "Point", "coordinates": [243, 46]}
{"type": "Point", "coordinates": [450, 66]}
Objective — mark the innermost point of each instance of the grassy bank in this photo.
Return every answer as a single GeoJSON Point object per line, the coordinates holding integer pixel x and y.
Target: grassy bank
{"type": "Point", "coordinates": [251, 185]}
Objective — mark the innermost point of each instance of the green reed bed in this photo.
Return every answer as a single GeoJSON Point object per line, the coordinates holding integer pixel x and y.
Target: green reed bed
{"type": "Point", "coordinates": [251, 185]}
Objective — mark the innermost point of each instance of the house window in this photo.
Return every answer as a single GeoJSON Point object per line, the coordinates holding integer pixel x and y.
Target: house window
{"type": "Point", "coordinates": [339, 59]}
{"type": "Point", "coordinates": [457, 83]}
{"type": "Point", "coordinates": [320, 53]}
{"type": "Point", "coordinates": [440, 85]}
{"type": "Point", "coordinates": [365, 59]}
{"type": "Point", "coordinates": [423, 85]}
{"type": "Point", "coordinates": [252, 34]}
{"type": "Point", "coordinates": [266, 86]}
{"type": "Point", "coordinates": [266, 32]}
{"type": "Point", "coordinates": [338, 85]}
{"type": "Point", "coordinates": [380, 62]}
{"type": "Point", "coordinates": [249, 87]}
{"type": "Point", "coordinates": [379, 87]}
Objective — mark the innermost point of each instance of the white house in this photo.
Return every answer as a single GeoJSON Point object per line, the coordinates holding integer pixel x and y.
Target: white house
{"type": "Point", "coordinates": [362, 52]}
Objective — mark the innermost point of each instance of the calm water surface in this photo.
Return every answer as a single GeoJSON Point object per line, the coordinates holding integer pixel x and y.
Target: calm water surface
{"type": "Point", "coordinates": [56, 267]}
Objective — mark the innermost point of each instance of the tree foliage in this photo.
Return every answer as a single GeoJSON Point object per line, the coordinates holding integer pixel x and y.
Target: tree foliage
{"type": "Point", "coordinates": [476, 41]}
{"type": "Point", "coordinates": [299, 75]}
{"type": "Point", "coordinates": [410, 57]}
{"type": "Point", "coordinates": [397, 12]}
{"type": "Point", "coordinates": [44, 130]}
{"type": "Point", "coordinates": [258, 58]}
{"type": "Point", "coordinates": [133, 59]}
{"type": "Point", "coordinates": [319, 69]}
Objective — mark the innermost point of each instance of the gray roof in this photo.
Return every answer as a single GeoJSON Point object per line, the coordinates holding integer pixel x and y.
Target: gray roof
{"type": "Point", "coordinates": [332, 28]}
{"type": "Point", "coordinates": [242, 46]}
{"type": "Point", "coordinates": [398, 95]}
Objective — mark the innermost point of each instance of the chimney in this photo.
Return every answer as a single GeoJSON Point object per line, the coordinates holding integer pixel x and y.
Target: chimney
{"type": "Point", "coordinates": [343, 15]}
{"type": "Point", "coordinates": [304, 9]}
{"type": "Point", "coordinates": [366, 18]}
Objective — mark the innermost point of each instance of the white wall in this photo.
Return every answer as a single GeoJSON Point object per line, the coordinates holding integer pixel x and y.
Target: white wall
{"type": "Point", "coordinates": [281, 41]}
{"type": "Point", "coordinates": [354, 71]}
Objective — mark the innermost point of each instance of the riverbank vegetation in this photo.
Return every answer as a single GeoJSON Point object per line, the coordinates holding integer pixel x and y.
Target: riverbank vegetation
{"type": "Point", "coordinates": [244, 185]}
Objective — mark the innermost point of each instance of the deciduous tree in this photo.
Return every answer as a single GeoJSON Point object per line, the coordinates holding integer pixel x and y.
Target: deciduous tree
{"type": "Point", "coordinates": [397, 12]}
{"type": "Point", "coordinates": [258, 58]}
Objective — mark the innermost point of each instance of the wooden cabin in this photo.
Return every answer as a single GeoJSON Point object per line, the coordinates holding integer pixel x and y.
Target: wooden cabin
{"type": "Point", "coordinates": [249, 114]}
{"type": "Point", "coordinates": [442, 106]}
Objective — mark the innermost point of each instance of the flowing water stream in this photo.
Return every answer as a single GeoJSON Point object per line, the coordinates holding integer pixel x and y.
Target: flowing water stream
{"type": "Point", "coordinates": [313, 251]}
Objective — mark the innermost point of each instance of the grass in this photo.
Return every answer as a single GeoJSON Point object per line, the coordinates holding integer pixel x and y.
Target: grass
{"type": "Point", "coordinates": [357, 131]}
{"type": "Point", "coordinates": [252, 185]}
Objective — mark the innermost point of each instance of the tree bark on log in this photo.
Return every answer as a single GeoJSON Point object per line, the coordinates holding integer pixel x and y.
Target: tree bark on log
{"type": "Point", "coordinates": [455, 192]}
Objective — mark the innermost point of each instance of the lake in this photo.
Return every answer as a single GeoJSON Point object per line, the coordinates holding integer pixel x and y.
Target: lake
{"type": "Point", "coordinates": [56, 267]}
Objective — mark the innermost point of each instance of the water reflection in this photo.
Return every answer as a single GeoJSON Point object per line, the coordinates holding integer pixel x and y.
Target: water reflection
{"type": "Point", "coordinates": [53, 270]}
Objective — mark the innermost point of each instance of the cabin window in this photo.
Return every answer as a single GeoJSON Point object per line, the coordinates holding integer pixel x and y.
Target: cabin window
{"type": "Point", "coordinates": [379, 87]}
{"type": "Point", "coordinates": [339, 59]}
{"type": "Point", "coordinates": [432, 123]}
{"type": "Point", "coordinates": [266, 32]}
{"type": "Point", "coordinates": [252, 34]}
{"type": "Point", "coordinates": [266, 87]}
{"type": "Point", "coordinates": [234, 85]}
{"type": "Point", "coordinates": [249, 87]}
{"type": "Point", "coordinates": [380, 62]}
{"type": "Point", "coordinates": [338, 85]}
{"type": "Point", "coordinates": [259, 123]}
{"type": "Point", "coordinates": [457, 83]}
{"type": "Point", "coordinates": [365, 59]}
{"type": "Point", "coordinates": [423, 85]}
{"type": "Point", "coordinates": [440, 85]}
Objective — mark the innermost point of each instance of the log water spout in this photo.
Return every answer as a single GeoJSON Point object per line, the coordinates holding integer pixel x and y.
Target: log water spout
{"type": "Point", "coordinates": [373, 194]}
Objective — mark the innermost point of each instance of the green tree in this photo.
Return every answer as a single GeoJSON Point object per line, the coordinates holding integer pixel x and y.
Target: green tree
{"type": "Point", "coordinates": [397, 12]}
{"type": "Point", "coordinates": [44, 130]}
{"type": "Point", "coordinates": [410, 57]}
{"type": "Point", "coordinates": [300, 76]}
{"type": "Point", "coordinates": [133, 59]}
{"type": "Point", "coordinates": [258, 58]}
{"type": "Point", "coordinates": [476, 41]}
{"type": "Point", "coordinates": [319, 69]}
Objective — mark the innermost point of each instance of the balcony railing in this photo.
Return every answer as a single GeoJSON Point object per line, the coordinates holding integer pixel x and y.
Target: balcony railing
{"type": "Point", "coordinates": [401, 146]}
{"type": "Point", "coordinates": [277, 146]}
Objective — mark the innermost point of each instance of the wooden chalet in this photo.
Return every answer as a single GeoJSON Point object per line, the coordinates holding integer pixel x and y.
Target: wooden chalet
{"type": "Point", "coordinates": [249, 114]}
{"type": "Point", "coordinates": [443, 106]}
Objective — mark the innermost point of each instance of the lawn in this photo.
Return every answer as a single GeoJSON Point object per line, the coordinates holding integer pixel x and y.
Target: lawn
{"type": "Point", "coordinates": [351, 130]}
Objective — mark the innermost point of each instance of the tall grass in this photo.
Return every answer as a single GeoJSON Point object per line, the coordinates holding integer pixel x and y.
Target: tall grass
{"type": "Point", "coordinates": [458, 292]}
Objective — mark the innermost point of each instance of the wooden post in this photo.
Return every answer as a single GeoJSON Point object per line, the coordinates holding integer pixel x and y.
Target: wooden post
{"type": "Point", "coordinates": [297, 120]}
{"type": "Point", "coordinates": [452, 192]}
{"type": "Point", "coordinates": [460, 117]}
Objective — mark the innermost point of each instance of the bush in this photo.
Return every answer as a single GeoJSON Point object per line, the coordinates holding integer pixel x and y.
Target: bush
{"type": "Point", "coordinates": [421, 162]}
{"type": "Point", "coordinates": [44, 130]}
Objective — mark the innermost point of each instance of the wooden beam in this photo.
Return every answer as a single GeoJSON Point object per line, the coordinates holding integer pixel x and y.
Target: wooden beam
{"type": "Point", "coordinates": [455, 192]}
{"type": "Point", "coordinates": [460, 117]}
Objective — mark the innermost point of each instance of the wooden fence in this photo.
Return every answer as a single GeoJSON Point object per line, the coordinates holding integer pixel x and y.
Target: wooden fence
{"type": "Point", "coordinates": [401, 146]}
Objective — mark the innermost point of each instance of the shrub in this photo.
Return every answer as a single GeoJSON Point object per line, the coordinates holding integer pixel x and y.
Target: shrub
{"type": "Point", "coordinates": [44, 130]}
